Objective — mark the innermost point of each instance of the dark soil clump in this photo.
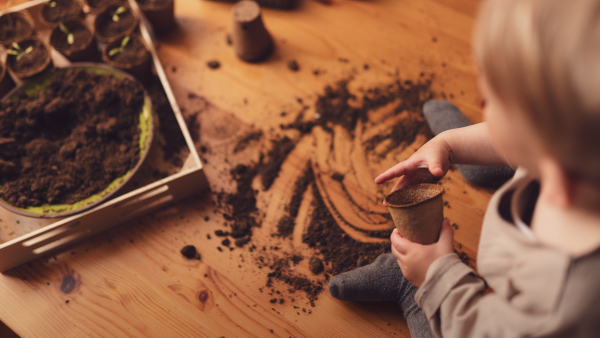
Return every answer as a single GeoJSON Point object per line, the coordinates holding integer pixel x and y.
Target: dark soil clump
{"type": "Point", "coordinates": [293, 65]}
{"type": "Point", "coordinates": [190, 252]}
{"type": "Point", "coordinates": [71, 140]}
{"type": "Point", "coordinates": [316, 265]}
{"type": "Point", "coordinates": [214, 64]}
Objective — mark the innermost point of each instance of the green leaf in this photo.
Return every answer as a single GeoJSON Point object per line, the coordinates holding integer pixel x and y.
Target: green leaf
{"type": "Point", "coordinates": [12, 52]}
{"type": "Point", "coordinates": [28, 50]}
{"type": "Point", "coordinates": [16, 46]}
{"type": "Point", "coordinates": [120, 10]}
{"type": "Point", "coordinates": [70, 38]}
{"type": "Point", "coordinates": [53, 4]}
{"type": "Point", "coordinates": [19, 57]}
{"type": "Point", "coordinates": [115, 18]}
{"type": "Point", "coordinates": [63, 28]}
{"type": "Point", "coordinates": [125, 41]}
{"type": "Point", "coordinates": [115, 51]}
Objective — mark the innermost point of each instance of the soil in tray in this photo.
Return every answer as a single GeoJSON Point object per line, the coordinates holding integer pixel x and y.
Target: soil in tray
{"type": "Point", "coordinates": [95, 4]}
{"type": "Point", "coordinates": [109, 28]}
{"type": "Point", "coordinates": [36, 58]}
{"type": "Point", "coordinates": [13, 27]}
{"type": "Point", "coordinates": [132, 53]}
{"type": "Point", "coordinates": [81, 36]}
{"type": "Point", "coordinates": [63, 9]}
{"type": "Point", "coordinates": [69, 141]}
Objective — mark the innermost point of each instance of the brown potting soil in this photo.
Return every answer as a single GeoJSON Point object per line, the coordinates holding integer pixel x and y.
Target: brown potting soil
{"type": "Point", "coordinates": [99, 3]}
{"type": "Point", "coordinates": [133, 53]}
{"type": "Point", "coordinates": [269, 168]}
{"type": "Point", "coordinates": [109, 28]}
{"type": "Point", "coordinates": [29, 61]}
{"type": "Point", "coordinates": [13, 27]}
{"type": "Point", "coordinates": [411, 195]}
{"type": "Point", "coordinates": [81, 36]}
{"type": "Point", "coordinates": [153, 3]}
{"type": "Point", "coordinates": [71, 140]}
{"type": "Point", "coordinates": [286, 224]}
{"type": "Point", "coordinates": [245, 141]}
{"type": "Point", "coordinates": [63, 9]}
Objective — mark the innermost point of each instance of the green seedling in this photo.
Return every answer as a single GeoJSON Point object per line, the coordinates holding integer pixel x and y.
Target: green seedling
{"type": "Point", "coordinates": [52, 4]}
{"type": "Point", "coordinates": [117, 50]}
{"type": "Point", "coordinates": [18, 52]}
{"type": "Point", "coordinates": [64, 29]}
{"type": "Point", "coordinates": [115, 14]}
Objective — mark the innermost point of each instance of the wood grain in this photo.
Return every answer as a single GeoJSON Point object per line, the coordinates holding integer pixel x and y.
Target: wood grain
{"type": "Point", "coordinates": [132, 281]}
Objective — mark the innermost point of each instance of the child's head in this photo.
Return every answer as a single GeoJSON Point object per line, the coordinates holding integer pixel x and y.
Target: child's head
{"type": "Point", "coordinates": [540, 59]}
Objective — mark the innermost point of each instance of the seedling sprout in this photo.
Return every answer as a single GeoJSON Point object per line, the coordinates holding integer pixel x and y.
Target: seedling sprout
{"type": "Point", "coordinates": [119, 49]}
{"type": "Point", "coordinates": [18, 52]}
{"type": "Point", "coordinates": [52, 4]}
{"type": "Point", "coordinates": [64, 29]}
{"type": "Point", "coordinates": [115, 14]}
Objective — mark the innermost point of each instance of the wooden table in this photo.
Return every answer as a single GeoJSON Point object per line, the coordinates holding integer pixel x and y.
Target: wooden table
{"type": "Point", "coordinates": [132, 280]}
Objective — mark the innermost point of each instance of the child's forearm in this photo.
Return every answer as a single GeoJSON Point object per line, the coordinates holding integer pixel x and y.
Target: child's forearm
{"type": "Point", "coordinates": [472, 145]}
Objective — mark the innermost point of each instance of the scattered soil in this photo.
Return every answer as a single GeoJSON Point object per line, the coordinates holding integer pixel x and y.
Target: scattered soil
{"type": "Point", "coordinates": [190, 252]}
{"type": "Point", "coordinates": [269, 168]}
{"type": "Point", "coordinates": [411, 195]}
{"type": "Point", "coordinates": [214, 64]}
{"type": "Point", "coordinates": [71, 140]}
{"type": "Point", "coordinates": [34, 60]}
{"type": "Point", "coordinates": [135, 52]}
{"type": "Point", "coordinates": [108, 28]}
{"type": "Point", "coordinates": [316, 265]}
{"type": "Point", "coordinates": [286, 224]}
{"type": "Point", "coordinates": [293, 65]}
{"type": "Point", "coordinates": [64, 9]}
{"type": "Point", "coordinates": [245, 141]}
{"type": "Point", "coordinates": [81, 38]}
{"type": "Point", "coordinates": [13, 27]}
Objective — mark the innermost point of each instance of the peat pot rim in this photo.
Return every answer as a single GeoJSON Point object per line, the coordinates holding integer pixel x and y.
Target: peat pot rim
{"type": "Point", "coordinates": [429, 186]}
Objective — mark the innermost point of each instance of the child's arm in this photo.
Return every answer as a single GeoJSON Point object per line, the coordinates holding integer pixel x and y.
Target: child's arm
{"type": "Point", "coordinates": [468, 145]}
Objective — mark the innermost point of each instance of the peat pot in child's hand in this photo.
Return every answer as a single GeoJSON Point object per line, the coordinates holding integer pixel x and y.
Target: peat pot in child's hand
{"type": "Point", "coordinates": [15, 27]}
{"type": "Point", "coordinates": [418, 212]}
{"type": "Point", "coordinates": [28, 58]}
{"type": "Point", "coordinates": [160, 13]}
{"type": "Point", "coordinates": [6, 82]}
{"type": "Point", "coordinates": [55, 11]}
{"type": "Point", "coordinates": [115, 21]}
{"type": "Point", "coordinates": [76, 136]}
{"type": "Point", "coordinates": [75, 40]}
{"type": "Point", "coordinates": [129, 54]}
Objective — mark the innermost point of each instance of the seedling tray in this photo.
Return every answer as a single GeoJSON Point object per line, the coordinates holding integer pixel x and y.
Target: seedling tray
{"type": "Point", "coordinates": [23, 239]}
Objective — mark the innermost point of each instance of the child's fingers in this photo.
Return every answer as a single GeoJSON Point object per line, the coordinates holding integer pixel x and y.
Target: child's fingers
{"type": "Point", "coordinates": [401, 244]}
{"type": "Point", "coordinates": [395, 171]}
{"type": "Point", "coordinates": [446, 234]}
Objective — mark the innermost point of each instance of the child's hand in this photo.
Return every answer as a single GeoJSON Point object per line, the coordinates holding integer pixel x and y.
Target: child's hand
{"type": "Point", "coordinates": [435, 155]}
{"type": "Point", "coordinates": [414, 259]}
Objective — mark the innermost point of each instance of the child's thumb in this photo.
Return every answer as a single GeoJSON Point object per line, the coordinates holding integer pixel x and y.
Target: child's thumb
{"type": "Point", "coordinates": [446, 233]}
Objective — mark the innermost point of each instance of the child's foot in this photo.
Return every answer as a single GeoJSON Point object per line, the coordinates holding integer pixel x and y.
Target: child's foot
{"type": "Point", "coordinates": [442, 115]}
{"type": "Point", "coordinates": [380, 281]}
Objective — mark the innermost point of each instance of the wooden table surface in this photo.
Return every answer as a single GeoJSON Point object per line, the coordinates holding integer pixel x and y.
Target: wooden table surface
{"type": "Point", "coordinates": [132, 280]}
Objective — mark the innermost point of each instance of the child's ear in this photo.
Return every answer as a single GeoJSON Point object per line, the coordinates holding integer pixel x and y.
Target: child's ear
{"type": "Point", "coordinates": [557, 185]}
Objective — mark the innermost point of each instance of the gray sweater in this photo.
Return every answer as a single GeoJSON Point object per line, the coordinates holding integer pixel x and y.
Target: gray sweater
{"type": "Point", "coordinates": [538, 291]}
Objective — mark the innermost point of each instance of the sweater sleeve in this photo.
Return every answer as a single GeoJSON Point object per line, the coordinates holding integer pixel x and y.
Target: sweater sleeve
{"type": "Point", "coordinates": [453, 299]}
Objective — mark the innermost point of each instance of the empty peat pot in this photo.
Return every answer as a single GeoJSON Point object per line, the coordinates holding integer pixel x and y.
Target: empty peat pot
{"type": "Point", "coordinates": [251, 41]}
{"type": "Point", "coordinates": [55, 11]}
{"type": "Point", "coordinates": [75, 40]}
{"type": "Point", "coordinates": [418, 212]}
{"type": "Point", "coordinates": [15, 27]}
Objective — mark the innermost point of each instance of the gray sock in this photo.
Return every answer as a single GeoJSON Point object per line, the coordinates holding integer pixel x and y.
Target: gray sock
{"type": "Point", "coordinates": [382, 280]}
{"type": "Point", "coordinates": [442, 115]}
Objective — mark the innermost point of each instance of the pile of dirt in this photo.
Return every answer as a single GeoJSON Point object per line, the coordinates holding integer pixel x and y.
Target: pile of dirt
{"type": "Point", "coordinates": [286, 224]}
{"type": "Point", "coordinates": [69, 141]}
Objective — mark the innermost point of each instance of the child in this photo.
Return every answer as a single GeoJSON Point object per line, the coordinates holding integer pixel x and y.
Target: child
{"type": "Point", "coordinates": [539, 247]}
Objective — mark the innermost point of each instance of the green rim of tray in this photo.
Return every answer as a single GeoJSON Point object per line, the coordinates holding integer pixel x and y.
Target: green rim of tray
{"type": "Point", "coordinates": [145, 126]}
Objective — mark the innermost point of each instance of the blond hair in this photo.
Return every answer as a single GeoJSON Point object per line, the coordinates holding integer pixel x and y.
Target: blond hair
{"type": "Point", "coordinates": [543, 57]}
